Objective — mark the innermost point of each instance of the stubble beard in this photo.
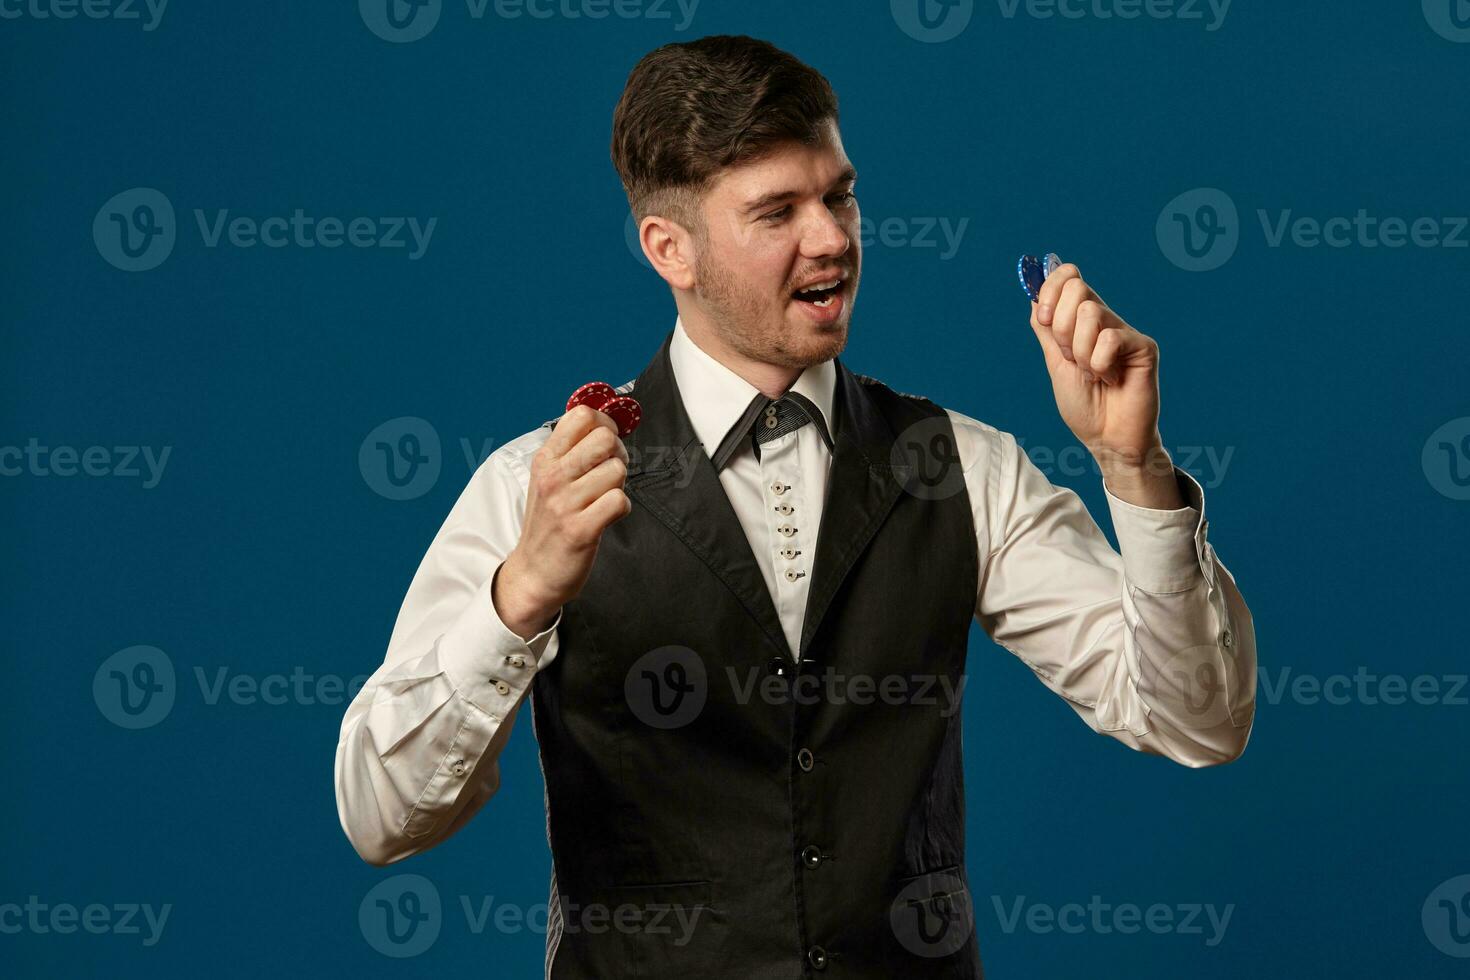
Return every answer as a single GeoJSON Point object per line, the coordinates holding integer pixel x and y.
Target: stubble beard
{"type": "Point", "coordinates": [748, 326]}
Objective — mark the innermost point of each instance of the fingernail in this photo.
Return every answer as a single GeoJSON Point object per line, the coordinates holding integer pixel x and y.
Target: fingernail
{"type": "Point", "coordinates": [1044, 315]}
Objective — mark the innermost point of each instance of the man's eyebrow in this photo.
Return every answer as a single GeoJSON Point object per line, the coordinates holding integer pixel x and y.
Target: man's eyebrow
{"type": "Point", "coordinates": [847, 176]}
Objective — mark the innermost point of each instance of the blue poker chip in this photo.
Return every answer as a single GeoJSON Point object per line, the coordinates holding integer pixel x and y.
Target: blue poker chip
{"type": "Point", "coordinates": [1031, 274]}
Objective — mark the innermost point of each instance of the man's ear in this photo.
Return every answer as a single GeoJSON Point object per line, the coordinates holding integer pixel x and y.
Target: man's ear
{"type": "Point", "coordinates": [670, 250]}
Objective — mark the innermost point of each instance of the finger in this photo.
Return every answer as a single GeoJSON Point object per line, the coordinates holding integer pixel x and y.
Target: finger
{"type": "Point", "coordinates": [611, 472]}
{"type": "Point", "coordinates": [1051, 291]}
{"type": "Point", "coordinates": [612, 506]}
{"type": "Point", "coordinates": [1049, 348]}
{"type": "Point", "coordinates": [1064, 319]}
{"type": "Point", "coordinates": [1128, 342]}
{"type": "Point", "coordinates": [600, 444]}
{"type": "Point", "coordinates": [1104, 360]}
{"type": "Point", "coordinates": [1089, 322]}
{"type": "Point", "coordinates": [570, 429]}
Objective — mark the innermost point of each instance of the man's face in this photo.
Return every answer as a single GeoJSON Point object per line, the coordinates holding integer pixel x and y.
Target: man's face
{"type": "Point", "coordinates": [775, 228]}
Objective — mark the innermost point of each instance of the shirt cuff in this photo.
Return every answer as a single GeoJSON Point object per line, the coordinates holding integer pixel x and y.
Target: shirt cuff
{"type": "Point", "coordinates": [487, 663]}
{"type": "Point", "coordinates": [1163, 550]}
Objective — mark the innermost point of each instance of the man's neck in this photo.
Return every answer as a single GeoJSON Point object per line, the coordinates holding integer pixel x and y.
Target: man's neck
{"type": "Point", "coordinates": [772, 380]}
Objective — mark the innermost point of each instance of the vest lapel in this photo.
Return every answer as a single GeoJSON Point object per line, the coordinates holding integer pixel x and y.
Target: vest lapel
{"type": "Point", "coordinates": [862, 487]}
{"type": "Point", "coordinates": [663, 452]}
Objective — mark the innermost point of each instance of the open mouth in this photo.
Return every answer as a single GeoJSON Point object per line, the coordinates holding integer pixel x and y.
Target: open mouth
{"type": "Point", "coordinates": [820, 295]}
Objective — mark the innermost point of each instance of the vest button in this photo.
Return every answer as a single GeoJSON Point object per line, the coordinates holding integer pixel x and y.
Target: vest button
{"type": "Point", "coordinates": [811, 855]}
{"type": "Point", "coordinates": [778, 667]}
{"type": "Point", "coordinates": [817, 957]}
{"type": "Point", "coordinates": [805, 759]}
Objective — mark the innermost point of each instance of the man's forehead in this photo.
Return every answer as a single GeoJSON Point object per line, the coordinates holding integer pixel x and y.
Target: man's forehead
{"type": "Point", "coordinates": [802, 166]}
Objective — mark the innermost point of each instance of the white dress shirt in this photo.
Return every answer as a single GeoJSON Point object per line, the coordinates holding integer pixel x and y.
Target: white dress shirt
{"type": "Point", "coordinates": [1154, 647]}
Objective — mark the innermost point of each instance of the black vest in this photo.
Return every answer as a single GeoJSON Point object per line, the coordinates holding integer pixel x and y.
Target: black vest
{"type": "Point", "coordinates": [717, 808]}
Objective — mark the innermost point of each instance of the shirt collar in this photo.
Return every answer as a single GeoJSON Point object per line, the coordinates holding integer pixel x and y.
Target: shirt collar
{"type": "Point", "coordinates": [716, 398]}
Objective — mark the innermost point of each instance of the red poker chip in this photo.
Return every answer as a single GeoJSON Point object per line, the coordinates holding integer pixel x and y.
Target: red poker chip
{"type": "Point", "coordinates": [593, 393]}
{"type": "Point", "coordinates": [625, 411]}
{"type": "Point", "coordinates": [622, 409]}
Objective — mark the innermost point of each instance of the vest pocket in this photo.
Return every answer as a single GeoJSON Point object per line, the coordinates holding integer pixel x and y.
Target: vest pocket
{"type": "Point", "coordinates": [661, 930]}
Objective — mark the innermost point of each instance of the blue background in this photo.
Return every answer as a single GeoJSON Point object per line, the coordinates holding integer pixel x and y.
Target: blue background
{"type": "Point", "coordinates": [264, 548]}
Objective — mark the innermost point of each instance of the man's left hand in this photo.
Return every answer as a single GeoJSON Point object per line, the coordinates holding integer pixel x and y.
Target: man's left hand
{"type": "Point", "coordinates": [1105, 376]}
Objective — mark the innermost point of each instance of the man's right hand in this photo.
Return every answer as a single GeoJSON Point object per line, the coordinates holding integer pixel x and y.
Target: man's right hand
{"type": "Point", "coordinates": [576, 493]}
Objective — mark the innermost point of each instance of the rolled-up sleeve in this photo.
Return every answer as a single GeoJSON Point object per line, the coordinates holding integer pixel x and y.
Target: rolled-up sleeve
{"type": "Point", "coordinates": [1150, 644]}
{"type": "Point", "coordinates": [418, 751]}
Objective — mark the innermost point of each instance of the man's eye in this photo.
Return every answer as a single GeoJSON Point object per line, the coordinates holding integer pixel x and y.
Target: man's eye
{"type": "Point", "coordinates": [846, 197]}
{"type": "Point", "coordinates": [776, 215]}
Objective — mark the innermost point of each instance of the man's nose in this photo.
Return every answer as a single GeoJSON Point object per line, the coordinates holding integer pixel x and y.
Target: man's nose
{"type": "Point", "coordinates": [823, 236]}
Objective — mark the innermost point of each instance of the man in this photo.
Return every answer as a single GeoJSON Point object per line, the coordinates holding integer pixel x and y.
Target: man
{"type": "Point", "coordinates": [732, 623]}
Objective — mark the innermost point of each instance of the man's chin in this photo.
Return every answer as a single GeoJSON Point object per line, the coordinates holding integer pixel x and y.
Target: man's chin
{"type": "Point", "coordinates": [807, 343]}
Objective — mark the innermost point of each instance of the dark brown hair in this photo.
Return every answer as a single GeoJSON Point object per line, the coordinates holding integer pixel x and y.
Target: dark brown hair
{"type": "Point", "coordinates": [690, 110]}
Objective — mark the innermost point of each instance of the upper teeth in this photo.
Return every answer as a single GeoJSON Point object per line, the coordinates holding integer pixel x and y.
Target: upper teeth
{"type": "Point", "coordinates": [823, 285]}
